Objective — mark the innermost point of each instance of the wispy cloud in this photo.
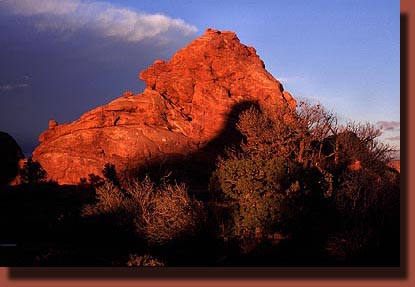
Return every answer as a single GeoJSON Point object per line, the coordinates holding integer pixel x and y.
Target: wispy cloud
{"type": "Point", "coordinates": [389, 125]}
{"type": "Point", "coordinates": [289, 79]}
{"type": "Point", "coordinates": [395, 138]}
{"type": "Point", "coordinates": [106, 19]}
{"type": "Point", "coordinates": [10, 87]}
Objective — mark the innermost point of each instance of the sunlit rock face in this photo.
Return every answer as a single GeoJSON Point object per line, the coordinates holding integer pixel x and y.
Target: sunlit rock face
{"type": "Point", "coordinates": [186, 104]}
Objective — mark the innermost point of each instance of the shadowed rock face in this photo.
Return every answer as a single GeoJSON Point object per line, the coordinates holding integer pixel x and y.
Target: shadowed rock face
{"type": "Point", "coordinates": [10, 156]}
{"type": "Point", "coordinates": [185, 106]}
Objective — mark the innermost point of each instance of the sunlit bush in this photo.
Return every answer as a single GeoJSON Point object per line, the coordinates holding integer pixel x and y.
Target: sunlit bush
{"type": "Point", "coordinates": [110, 200]}
{"type": "Point", "coordinates": [166, 212]}
{"type": "Point", "coordinates": [157, 213]}
{"type": "Point", "coordinates": [252, 190]}
{"type": "Point", "coordinates": [144, 261]}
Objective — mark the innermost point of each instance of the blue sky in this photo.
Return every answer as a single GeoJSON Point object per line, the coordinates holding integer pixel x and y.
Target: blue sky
{"type": "Point", "coordinates": [60, 58]}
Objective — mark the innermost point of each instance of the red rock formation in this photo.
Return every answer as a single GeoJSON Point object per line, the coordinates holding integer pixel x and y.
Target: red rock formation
{"type": "Point", "coordinates": [52, 124]}
{"type": "Point", "coordinates": [184, 106]}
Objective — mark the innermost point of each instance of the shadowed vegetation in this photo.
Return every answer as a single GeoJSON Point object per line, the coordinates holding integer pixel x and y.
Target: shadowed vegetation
{"type": "Point", "coordinates": [289, 187]}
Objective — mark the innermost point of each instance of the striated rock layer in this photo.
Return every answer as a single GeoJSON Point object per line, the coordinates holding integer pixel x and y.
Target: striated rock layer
{"type": "Point", "coordinates": [186, 104]}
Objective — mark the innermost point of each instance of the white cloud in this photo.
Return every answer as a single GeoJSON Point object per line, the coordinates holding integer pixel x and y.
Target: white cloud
{"type": "Point", "coordinates": [395, 138]}
{"type": "Point", "coordinates": [28, 8]}
{"type": "Point", "coordinates": [9, 87]}
{"type": "Point", "coordinates": [290, 80]}
{"type": "Point", "coordinates": [104, 18]}
{"type": "Point", "coordinates": [389, 125]}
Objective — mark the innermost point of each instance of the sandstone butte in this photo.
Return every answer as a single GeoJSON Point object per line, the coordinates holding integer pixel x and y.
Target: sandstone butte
{"type": "Point", "coordinates": [186, 105]}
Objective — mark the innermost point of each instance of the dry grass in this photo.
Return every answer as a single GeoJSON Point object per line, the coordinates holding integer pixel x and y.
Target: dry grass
{"type": "Point", "coordinates": [144, 261]}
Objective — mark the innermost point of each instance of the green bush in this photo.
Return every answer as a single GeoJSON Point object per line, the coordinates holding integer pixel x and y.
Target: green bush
{"type": "Point", "coordinates": [252, 189]}
{"type": "Point", "coordinates": [293, 175]}
{"type": "Point", "coordinates": [261, 184]}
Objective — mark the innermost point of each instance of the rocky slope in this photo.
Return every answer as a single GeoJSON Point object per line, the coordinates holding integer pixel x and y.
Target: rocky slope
{"type": "Point", "coordinates": [187, 104]}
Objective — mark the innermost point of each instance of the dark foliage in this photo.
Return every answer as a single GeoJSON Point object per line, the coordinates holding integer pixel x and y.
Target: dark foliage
{"type": "Point", "coordinates": [293, 188]}
{"type": "Point", "coordinates": [110, 174]}
{"type": "Point", "coordinates": [10, 155]}
{"type": "Point", "coordinates": [298, 174]}
{"type": "Point", "coordinates": [32, 172]}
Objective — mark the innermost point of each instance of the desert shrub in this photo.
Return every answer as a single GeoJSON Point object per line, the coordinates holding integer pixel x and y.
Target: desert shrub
{"type": "Point", "coordinates": [83, 182]}
{"type": "Point", "coordinates": [365, 198]}
{"type": "Point", "coordinates": [251, 189]}
{"type": "Point", "coordinates": [32, 172]}
{"type": "Point", "coordinates": [166, 211]}
{"type": "Point", "coordinates": [348, 243]}
{"type": "Point", "coordinates": [268, 133]}
{"type": "Point", "coordinates": [95, 180]}
{"type": "Point", "coordinates": [266, 180]}
{"type": "Point", "coordinates": [292, 175]}
{"type": "Point", "coordinates": [110, 174]}
{"type": "Point", "coordinates": [110, 200]}
{"type": "Point", "coordinates": [144, 261]}
{"type": "Point", "coordinates": [158, 213]}
{"type": "Point", "coordinates": [262, 184]}
{"type": "Point", "coordinates": [358, 191]}
{"type": "Point", "coordinates": [366, 202]}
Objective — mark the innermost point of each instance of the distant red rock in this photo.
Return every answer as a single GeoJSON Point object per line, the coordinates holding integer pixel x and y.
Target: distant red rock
{"type": "Point", "coordinates": [185, 105]}
{"type": "Point", "coordinates": [52, 124]}
{"type": "Point", "coordinates": [395, 164]}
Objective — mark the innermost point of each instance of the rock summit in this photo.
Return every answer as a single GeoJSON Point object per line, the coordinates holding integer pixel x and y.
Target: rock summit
{"type": "Point", "coordinates": [188, 101]}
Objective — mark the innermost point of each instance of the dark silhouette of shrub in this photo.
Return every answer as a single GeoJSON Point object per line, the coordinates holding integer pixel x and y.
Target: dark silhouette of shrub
{"type": "Point", "coordinates": [110, 174]}
{"type": "Point", "coordinates": [32, 172]}
{"type": "Point", "coordinates": [366, 201]}
{"type": "Point", "coordinates": [95, 180]}
{"type": "Point", "coordinates": [10, 155]}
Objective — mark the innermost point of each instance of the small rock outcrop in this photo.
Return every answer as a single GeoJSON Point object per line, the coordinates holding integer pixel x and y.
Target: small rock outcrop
{"type": "Point", "coordinates": [187, 103]}
{"type": "Point", "coordinates": [52, 124]}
